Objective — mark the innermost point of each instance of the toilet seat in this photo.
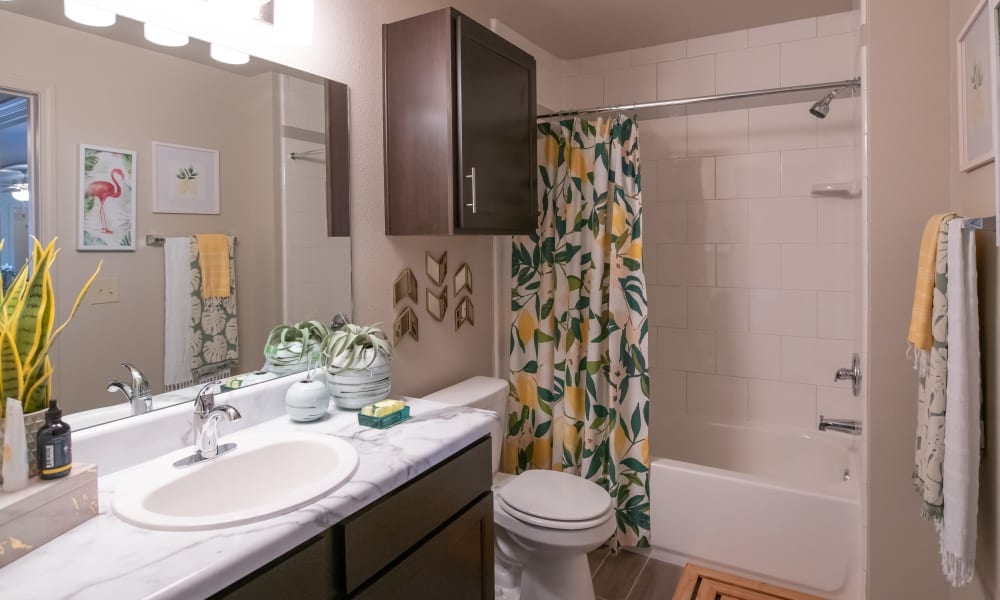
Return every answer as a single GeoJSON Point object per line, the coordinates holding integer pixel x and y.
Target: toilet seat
{"type": "Point", "coordinates": [555, 500]}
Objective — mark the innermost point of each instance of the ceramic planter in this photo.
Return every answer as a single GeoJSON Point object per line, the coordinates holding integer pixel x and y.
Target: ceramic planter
{"type": "Point", "coordinates": [352, 388]}
{"type": "Point", "coordinates": [307, 400]}
{"type": "Point", "coordinates": [32, 423]}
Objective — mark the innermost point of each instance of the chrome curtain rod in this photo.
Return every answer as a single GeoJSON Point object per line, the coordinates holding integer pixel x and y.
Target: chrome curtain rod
{"type": "Point", "coordinates": [812, 87]}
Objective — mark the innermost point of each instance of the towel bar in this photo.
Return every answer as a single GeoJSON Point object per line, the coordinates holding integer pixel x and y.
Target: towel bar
{"type": "Point", "coordinates": [157, 240]}
{"type": "Point", "coordinates": [984, 223]}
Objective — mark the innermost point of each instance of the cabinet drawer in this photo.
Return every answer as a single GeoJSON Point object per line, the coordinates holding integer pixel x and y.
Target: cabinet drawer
{"type": "Point", "coordinates": [302, 573]}
{"type": "Point", "coordinates": [384, 531]}
{"type": "Point", "coordinates": [455, 563]}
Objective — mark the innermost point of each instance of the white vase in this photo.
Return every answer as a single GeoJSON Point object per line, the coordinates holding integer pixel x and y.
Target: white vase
{"type": "Point", "coordinates": [355, 387]}
{"type": "Point", "coordinates": [307, 400]}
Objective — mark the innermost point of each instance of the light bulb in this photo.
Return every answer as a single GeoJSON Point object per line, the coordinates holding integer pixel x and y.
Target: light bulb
{"type": "Point", "coordinates": [293, 21]}
{"type": "Point", "coordinates": [21, 195]}
{"type": "Point", "coordinates": [86, 14]}
{"type": "Point", "coordinates": [164, 37]}
{"type": "Point", "coordinates": [228, 55]}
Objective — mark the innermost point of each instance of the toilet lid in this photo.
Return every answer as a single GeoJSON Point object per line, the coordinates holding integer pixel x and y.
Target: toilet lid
{"type": "Point", "coordinates": [555, 496]}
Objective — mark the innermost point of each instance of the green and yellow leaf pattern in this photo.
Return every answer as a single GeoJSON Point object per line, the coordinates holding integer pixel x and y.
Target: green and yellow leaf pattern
{"type": "Point", "coordinates": [579, 388]}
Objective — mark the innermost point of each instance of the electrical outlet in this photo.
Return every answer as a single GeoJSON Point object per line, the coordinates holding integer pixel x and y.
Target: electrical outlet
{"type": "Point", "coordinates": [104, 291]}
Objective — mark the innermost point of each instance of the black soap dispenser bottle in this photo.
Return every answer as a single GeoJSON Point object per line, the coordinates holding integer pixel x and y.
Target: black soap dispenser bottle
{"type": "Point", "coordinates": [55, 456]}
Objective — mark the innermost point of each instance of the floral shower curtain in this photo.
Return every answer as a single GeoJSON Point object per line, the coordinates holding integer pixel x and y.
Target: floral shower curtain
{"type": "Point", "coordinates": [579, 399]}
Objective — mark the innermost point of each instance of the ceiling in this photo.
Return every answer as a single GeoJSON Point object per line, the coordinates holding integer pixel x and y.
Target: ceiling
{"type": "Point", "coordinates": [575, 28]}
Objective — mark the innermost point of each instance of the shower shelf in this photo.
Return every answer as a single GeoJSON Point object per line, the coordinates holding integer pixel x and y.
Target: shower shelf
{"type": "Point", "coordinates": [837, 189]}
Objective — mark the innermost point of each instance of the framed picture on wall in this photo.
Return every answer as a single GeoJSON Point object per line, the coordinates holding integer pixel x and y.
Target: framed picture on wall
{"type": "Point", "coordinates": [994, 21]}
{"type": "Point", "coordinates": [975, 91]}
{"type": "Point", "coordinates": [185, 179]}
{"type": "Point", "coordinates": [107, 199]}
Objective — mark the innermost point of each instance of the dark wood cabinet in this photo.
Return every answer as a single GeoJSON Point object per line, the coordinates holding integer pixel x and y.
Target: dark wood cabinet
{"type": "Point", "coordinates": [460, 130]}
{"type": "Point", "coordinates": [432, 538]}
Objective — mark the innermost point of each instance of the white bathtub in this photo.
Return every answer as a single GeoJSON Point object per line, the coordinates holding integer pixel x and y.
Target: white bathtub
{"type": "Point", "coordinates": [769, 503]}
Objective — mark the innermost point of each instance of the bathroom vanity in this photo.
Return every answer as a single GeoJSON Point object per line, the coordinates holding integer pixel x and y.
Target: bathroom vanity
{"type": "Point", "coordinates": [414, 520]}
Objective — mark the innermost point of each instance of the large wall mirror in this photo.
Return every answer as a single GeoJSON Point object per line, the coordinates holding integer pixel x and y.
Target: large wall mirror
{"type": "Point", "coordinates": [65, 88]}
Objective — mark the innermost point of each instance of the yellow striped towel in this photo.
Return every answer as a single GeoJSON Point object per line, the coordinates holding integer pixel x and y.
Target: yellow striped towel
{"type": "Point", "coordinates": [213, 258]}
{"type": "Point", "coordinates": [923, 294]}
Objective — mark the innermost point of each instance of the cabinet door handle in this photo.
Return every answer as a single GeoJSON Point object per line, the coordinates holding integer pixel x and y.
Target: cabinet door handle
{"type": "Point", "coordinates": [472, 176]}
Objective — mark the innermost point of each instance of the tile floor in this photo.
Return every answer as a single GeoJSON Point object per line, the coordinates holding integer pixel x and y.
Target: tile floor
{"type": "Point", "coordinates": [631, 576]}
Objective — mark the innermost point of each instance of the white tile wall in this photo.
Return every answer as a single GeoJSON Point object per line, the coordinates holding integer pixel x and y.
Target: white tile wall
{"type": "Point", "coordinates": [721, 309]}
{"type": "Point", "coordinates": [748, 69]}
{"type": "Point", "coordinates": [686, 179]}
{"type": "Point", "coordinates": [712, 134]}
{"type": "Point", "coordinates": [718, 221]}
{"type": "Point", "coordinates": [685, 78]}
{"type": "Point", "coordinates": [783, 312]}
{"type": "Point", "coordinates": [749, 265]}
{"type": "Point", "coordinates": [785, 220]}
{"type": "Point", "coordinates": [780, 403]}
{"type": "Point", "coordinates": [687, 264]}
{"type": "Point", "coordinates": [664, 138]}
{"type": "Point", "coordinates": [829, 58]}
{"type": "Point", "coordinates": [748, 175]}
{"type": "Point", "coordinates": [784, 127]}
{"type": "Point", "coordinates": [752, 280]}
{"type": "Point", "coordinates": [749, 355]}
{"type": "Point", "coordinates": [715, 396]}
{"type": "Point", "coordinates": [630, 85]}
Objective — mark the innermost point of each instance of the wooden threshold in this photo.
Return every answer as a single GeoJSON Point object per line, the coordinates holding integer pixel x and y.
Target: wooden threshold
{"type": "Point", "coordinates": [702, 583]}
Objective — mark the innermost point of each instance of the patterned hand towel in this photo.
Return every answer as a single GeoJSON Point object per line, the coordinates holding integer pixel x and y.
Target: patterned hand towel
{"type": "Point", "coordinates": [213, 249]}
{"type": "Point", "coordinates": [957, 527]}
{"type": "Point", "coordinates": [932, 376]}
{"type": "Point", "coordinates": [214, 338]}
{"type": "Point", "coordinates": [920, 337]}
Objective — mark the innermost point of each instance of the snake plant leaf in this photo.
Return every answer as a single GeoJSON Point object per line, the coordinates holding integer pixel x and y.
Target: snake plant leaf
{"type": "Point", "coordinates": [10, 374]}
{"type": "Point", "coordinates": [37, 394]}
{"type": "Point", "coordinates": [28, 333]}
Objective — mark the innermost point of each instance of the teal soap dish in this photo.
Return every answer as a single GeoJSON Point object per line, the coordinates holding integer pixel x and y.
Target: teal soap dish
{"type": "Point", "coordinates": [385, 422]}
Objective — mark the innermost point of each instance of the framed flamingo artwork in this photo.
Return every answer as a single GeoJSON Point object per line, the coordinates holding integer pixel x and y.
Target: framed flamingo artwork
{"type": "Point", "coordinates": [185, 179]}
{"type": "Point", "coordinates": [107, 198]}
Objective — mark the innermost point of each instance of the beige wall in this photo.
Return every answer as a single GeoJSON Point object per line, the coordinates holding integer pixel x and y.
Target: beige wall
{"type": "Point", "coordinates": [972, 195]}
{"type": "Point", "coordinates": [112, 94]}
{"type": "Point", "coordinates": [909, 99]}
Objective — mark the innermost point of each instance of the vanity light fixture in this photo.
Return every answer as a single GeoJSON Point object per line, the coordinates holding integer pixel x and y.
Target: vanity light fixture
{"type": "Point", "coordinates": [293, 21]}
{"type": "Point", "coordinates": [163, 36]}
{"type": "Point", "coordinates": [21, 194]}
{"type": "Point", "coordinates": [228, 55]}
{"type": "Point", "coordinates": [85, 14]}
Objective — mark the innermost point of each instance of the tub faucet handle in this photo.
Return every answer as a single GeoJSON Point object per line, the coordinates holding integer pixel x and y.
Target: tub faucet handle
{"type": "Point", "coordinates": [853, 374]}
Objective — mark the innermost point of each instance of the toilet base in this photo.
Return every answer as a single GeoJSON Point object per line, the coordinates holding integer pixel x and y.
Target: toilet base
{"type": "Point", "coordinates": [558, 578]}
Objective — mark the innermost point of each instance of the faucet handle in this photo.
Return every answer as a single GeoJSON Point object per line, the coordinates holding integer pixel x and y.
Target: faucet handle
{"type": "Point", "coordinates": [209, 440]}
{"type": "Point", "coordinates": [204, 401]}
{"type": "Point", "coordinates": [140, 385]}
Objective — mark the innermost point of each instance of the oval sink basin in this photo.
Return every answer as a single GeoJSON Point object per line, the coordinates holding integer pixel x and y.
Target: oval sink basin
{"type": "Point", "coordinates": [266, 475]}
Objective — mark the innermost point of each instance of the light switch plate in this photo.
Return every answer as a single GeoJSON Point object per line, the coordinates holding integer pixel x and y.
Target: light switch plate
{"type": "Point", "coordinates": [104, 291]}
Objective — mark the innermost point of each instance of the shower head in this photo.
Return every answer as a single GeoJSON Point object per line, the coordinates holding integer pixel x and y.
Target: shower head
{"type": "Point", "coordinates": [821, 108]}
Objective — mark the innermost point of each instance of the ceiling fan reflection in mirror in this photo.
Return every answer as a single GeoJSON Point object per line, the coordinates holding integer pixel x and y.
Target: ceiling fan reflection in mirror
{"type": "Point", "coordinates": [14, 179]}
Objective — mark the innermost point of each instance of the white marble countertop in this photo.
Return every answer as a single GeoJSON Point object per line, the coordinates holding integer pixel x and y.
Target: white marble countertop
{"type": "Point", "coordinates": [106, 558]}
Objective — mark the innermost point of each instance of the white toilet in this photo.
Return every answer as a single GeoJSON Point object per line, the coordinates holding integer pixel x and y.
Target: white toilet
{"type": "Point", "coordinates": [546, 521]}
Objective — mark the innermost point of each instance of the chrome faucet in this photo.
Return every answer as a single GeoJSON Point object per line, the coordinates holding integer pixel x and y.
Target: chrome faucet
{"type": "Point", "coordinates": [206, 427]}
{"type": "Point", "coordinates": [138, 394]}
{"type": "Point", "coordinates": [851, 426]}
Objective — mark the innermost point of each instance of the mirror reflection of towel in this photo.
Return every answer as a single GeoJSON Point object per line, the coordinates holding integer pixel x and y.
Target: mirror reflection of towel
{"type": "Point", "coordinates": [213, 252]}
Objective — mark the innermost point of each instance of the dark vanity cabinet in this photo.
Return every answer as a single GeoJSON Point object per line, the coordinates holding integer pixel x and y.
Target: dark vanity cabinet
{"type": "Point", "coordinates": [460, 131]}
{"type": "Point", "coordinates": [431, 538]}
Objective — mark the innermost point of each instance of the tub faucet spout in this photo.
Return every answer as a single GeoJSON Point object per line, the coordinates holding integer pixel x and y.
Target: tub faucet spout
{"type": "Point", "coordinates": [850, 426]}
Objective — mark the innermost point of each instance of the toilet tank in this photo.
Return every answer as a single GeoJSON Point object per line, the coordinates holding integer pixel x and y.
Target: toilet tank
{"type": "Point", "coordinates": [487, 393]}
